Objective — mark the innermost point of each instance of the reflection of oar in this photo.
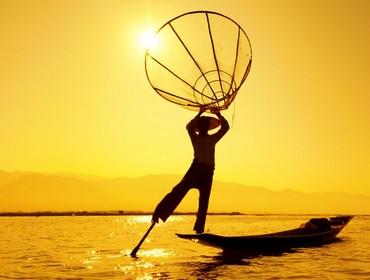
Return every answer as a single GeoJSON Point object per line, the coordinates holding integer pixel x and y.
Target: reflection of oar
{"type": "Point", "coordinates": [134, 251]}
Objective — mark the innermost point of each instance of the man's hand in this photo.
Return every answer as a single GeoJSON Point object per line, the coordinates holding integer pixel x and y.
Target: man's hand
{"type": "Point", "coordinates": [155, 219]}
{"type": "Point", "coordinates": [216, 112]}
{"type": "Point", "coordinates": [202, 109]}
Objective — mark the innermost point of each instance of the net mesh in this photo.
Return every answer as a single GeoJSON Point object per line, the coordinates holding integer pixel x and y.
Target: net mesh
{"type": "Point", "coordinates": [202, 59]}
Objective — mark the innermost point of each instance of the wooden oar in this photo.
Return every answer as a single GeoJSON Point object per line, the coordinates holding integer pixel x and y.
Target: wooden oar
{"type": "Point", "coordinates": [134, 251]}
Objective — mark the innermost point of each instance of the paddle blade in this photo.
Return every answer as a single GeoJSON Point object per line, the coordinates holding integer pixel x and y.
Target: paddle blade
{"type": "Point", "coordinates": [136, 249]}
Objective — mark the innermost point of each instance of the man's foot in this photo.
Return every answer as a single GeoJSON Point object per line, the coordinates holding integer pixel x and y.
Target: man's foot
{"type": "Point", "coordinates": [155, 220]}
{"type": "Point", "coordinates": [199, 231]}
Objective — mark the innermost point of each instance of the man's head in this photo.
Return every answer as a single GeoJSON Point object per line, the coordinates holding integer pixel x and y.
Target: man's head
{"type": "Point", "coordinates": [203, 125]}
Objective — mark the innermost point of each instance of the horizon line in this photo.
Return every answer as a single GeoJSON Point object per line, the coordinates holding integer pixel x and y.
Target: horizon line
{"type": "Point", "coordinates": [48, 213]}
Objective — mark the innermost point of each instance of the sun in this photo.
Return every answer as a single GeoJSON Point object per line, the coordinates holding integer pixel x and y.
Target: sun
{"type": "Point", "coordinates": [148, 40]}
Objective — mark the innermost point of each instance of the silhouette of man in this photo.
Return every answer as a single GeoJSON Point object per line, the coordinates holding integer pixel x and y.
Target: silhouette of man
{"type": "Point", "coordinates": [200, 173]}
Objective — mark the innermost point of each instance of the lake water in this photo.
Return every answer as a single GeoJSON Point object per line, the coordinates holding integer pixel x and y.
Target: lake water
{"type": "Point", "coordinates": [99, 248]}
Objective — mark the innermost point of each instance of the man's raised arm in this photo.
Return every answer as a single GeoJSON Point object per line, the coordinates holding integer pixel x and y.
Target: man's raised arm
{"type": "Point", "coordinates": [224, 126]}
{"type": "Point", "coordinates": [192, 125]}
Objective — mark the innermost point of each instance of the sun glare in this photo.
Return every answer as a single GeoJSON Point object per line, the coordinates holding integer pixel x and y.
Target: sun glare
{"type": "Point", "coordinates": [148, 40]}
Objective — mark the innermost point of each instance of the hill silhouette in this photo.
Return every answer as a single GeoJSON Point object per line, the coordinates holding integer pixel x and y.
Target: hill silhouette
{"type": "Point", "coordinates": [28, 191]}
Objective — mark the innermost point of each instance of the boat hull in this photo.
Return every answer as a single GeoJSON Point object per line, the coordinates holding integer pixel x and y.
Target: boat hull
{"type": "Point", "coordinates": [295, 238]}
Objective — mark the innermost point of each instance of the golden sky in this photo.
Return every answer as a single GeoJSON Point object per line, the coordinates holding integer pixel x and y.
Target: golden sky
{"type": "Point", "coordinates": [74, 95]}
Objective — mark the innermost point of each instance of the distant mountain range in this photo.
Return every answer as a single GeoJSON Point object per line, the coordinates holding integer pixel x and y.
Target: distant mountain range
{"type": "Point", "coordinates": [28, 191]}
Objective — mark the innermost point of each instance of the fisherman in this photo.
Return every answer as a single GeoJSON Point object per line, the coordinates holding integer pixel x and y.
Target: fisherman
{"type": "Point", "coordinates": [200, 173]}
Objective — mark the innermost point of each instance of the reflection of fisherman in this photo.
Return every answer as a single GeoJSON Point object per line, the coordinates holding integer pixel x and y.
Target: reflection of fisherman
{"type": "Point", "coordinates": [200, 172]}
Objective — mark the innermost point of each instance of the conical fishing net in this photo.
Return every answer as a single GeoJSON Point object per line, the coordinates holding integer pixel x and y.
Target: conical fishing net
{"type": "Point", "coordinates": [202, 59]}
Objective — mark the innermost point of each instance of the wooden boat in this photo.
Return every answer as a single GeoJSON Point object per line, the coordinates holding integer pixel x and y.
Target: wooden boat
{"type": "Point", "coordinates": [315, 232]}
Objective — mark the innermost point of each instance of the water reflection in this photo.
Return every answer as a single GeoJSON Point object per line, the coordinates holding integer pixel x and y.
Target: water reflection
{"type": "Point", "coordinates": [213, 267]}
{"type": "Point", "coordinates": [139, 219]}
{"type": "Point", "coordinates": [85, 248]}
{"type": "Point", "coordinates": [146, 219]}
{"type": "Point", "coordinates": [146, 276]}
{"type": "Point", "coordinates": [231, 256]}
{"type": "Point", "coordinates": [156, 253]}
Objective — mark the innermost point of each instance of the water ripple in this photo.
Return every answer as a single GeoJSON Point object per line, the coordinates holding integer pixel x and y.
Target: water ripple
{"type": "Point", "coordinates": [100, 247]}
